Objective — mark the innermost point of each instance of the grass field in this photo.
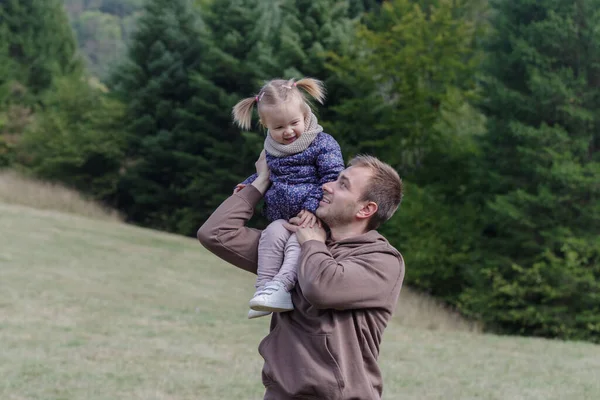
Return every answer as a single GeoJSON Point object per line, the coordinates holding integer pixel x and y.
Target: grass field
{"type": "Point", "coordinates": [93, 309]}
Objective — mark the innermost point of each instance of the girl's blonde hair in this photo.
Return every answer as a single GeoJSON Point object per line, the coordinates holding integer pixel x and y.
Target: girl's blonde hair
{"type": "Point", "coordinates": [275, 92]}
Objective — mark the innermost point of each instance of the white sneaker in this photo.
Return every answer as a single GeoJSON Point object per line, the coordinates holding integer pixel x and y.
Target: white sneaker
{"type": "Point", "coordinates": [273, 297]}
{"type": "Point", "coordinates": [257, 314]}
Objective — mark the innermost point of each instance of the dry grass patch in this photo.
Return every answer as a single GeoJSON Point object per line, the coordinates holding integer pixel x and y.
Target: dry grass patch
{"type": "Point", "coordinates": [419, 310]}
{"type": "Point", "coordinates": [17, 189]}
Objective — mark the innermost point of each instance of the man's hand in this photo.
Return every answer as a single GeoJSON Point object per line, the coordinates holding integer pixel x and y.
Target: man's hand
{"type": "Point", "coordinates": [307, 218]}
{"type": "Point", "coordinates": [307, 233]}
{"type": "Point", "coordinates": [263, 181]}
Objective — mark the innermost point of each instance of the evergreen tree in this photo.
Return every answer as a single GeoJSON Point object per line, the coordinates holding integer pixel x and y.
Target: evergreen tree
{"type": "Point", "coordinates": [6, 69]}
{"type": "Point", "coordinates": [233, 69]}
{"type": "Point", "coordinates": [310, 33]}
{"type": "Point", "coordinates": [40, 42]}
{"type": "Point", "coordinates": [410, 66]}
{"type": "Point", "coordinates": [541, 271]}
{"type": "Point", "coordinates": [261, 40]}
{"type": "Point", "coordinates": [256, 41]}
{"type": "Point", "coordinates": [172, 180]}
{"type": "Point", "coordinates": [410, 75]}
{"type": "Point", "coordinates": [289, 39]}
{"type": "Point", "coordinates": [358, 7]}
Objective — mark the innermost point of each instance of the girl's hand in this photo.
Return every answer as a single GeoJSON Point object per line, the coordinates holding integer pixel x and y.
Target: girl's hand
{"type": "Point", "coordinates": [306, 218]}
{"type": "Point", "coordinates": [239, 187]}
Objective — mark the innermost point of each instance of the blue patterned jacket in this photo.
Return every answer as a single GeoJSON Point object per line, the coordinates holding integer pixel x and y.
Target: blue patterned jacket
{"type": "Point", "coordinates": [297, 179]}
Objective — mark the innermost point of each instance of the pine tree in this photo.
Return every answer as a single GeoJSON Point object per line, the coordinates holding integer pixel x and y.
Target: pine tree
{"type": "Point", "coordinates": [542, 257]}
{"type": "Point", "coordinates": [172, 180]}
{"type": "Point", "coordinates": [357, 7]}
{"type": "Point", "coordinates": [410, 75]}
{"type": "Point", "coordinates": [256, 41]}
{"type": "Point", "coordinates": [264, 40]}
{"type": "Point", "coordinates": [233, 69]}
{"type": "Point", "coordinates": [261, 40]}
{"type": "Point", "coordinates": [40, 40]}
{"type": "Point", "coordinates": [410, 64]}
{"type": "Point", "coordinates": [6, 69]}
{"type": "Point", "coordinates": [6, 63]}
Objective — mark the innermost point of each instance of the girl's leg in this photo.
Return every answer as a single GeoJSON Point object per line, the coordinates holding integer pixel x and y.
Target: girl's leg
{"type": "Point", "coordinates": [271, 295]}
{"type": "Point", "coordinates": [271, 250]}
{"type": "Point", "coordinates": [288, 272]}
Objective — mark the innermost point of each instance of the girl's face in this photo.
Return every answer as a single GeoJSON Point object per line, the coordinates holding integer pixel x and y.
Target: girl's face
{"type": "Point", "coordinates": [284, 121]}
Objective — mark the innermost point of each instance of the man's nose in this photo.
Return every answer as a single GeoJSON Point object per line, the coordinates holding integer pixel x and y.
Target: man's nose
{"type": "Point", "coordinates": [326, 187]}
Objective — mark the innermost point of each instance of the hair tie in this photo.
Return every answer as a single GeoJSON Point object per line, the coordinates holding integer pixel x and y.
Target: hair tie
{"type": "Point", "coordinates": [294, 83]}
{"type": "Point", "coordinates": [256, 98]}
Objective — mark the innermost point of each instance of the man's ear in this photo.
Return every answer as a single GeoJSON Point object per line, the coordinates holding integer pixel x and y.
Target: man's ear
{"type": "Point", "coordinates": [367, 210]}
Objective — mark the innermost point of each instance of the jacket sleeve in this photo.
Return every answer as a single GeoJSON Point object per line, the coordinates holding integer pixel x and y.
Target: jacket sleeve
{"type": "Point", "coordinates": [330, 163]}
{"type": "Point", "coordinates": [363, 281]}
{"type": "Point", "coordinates": [225, 233]}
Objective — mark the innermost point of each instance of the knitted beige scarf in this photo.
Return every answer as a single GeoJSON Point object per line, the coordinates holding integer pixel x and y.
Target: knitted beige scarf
{"type": "Point", "coordinates": [311, 130]}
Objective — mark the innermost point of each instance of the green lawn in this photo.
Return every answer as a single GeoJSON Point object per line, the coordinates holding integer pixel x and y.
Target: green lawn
{"type": "Point", "coordinates": [101, 310]}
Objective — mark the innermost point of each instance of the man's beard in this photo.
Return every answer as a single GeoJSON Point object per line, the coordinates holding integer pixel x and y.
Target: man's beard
{"type": "Point", "coordinates": [339, 218]}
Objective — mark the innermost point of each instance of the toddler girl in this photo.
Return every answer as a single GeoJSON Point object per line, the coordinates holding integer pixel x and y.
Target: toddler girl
{"type": "Point", "coordinates": [301, 158]}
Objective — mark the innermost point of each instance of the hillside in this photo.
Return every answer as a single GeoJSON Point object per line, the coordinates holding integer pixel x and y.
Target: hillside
{"type": "Point", "coordinates": [96, 310]}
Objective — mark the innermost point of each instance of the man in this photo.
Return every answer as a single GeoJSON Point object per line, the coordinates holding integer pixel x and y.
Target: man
{"type": "Point", "coordinates": [347, 289]}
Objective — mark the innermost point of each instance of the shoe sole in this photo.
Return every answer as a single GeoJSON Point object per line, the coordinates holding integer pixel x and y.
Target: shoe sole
{"type": "Point", "coordinates": [262, 307]}
{"type": "Point", "coordinates": [259, 315]}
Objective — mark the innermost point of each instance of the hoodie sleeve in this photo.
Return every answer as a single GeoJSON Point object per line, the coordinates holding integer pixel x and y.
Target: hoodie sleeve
{"type": "Point", "coordinates": [330, 163]}
{"type": "Point", "coordinates": [362, 281]}
{"type": "Point", "coordinates": [226, 235]}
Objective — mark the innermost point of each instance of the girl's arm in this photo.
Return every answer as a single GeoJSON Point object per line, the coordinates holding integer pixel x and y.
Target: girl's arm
{"type": "Point", "coordinates": [330, 163]}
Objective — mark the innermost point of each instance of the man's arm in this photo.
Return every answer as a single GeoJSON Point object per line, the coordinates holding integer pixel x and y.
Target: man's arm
{"type": "Point", "coordinates": [364, 281]}
{"type": "Point", "coordinates": [225, 233]}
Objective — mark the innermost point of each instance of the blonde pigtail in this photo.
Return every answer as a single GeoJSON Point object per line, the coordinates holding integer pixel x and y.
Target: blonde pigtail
{"type": "Point", "coordinates": [315, 88]}
{"type": "Point", "coordinates": [242, 112]}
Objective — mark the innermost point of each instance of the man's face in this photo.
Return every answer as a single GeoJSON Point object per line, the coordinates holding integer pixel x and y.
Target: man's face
{"type": "Point", "coordinates": [340, 203]}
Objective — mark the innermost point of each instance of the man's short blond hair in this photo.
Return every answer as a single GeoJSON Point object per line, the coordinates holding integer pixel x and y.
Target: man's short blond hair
{"type": "Point", "coordinates": [384, 188]}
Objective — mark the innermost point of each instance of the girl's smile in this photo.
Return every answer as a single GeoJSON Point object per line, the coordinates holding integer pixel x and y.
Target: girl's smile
{"type": "Point", "coordinates": [285, 122]}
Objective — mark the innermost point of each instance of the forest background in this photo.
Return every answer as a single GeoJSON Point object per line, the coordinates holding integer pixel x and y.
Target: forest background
{"type": "Point", "coordinates": [489, 110]}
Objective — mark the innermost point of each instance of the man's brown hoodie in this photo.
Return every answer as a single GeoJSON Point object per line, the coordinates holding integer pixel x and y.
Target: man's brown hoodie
{"type": "Point", "coordinates": [328, 346]}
